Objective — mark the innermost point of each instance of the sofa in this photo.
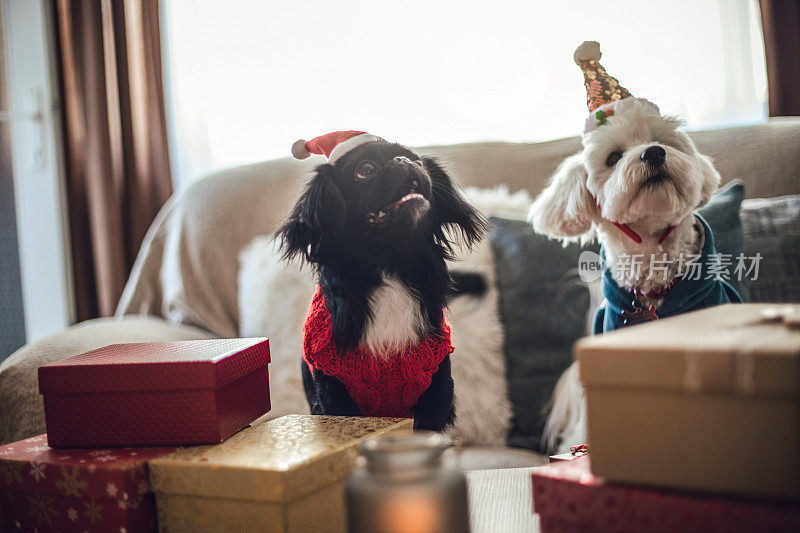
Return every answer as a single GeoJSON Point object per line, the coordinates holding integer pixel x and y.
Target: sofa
{"type": "Point", "coordinates": [184, 282]}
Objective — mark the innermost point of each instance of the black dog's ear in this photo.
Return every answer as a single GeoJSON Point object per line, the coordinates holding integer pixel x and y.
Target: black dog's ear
{"type": "Point", "coordinates": [318, 217]}
{"type": "Point", "coordinates": [452, 210]}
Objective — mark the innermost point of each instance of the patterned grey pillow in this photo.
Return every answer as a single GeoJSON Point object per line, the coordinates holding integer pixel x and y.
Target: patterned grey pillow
{"type": "Point", "coordinates": [771, 228]}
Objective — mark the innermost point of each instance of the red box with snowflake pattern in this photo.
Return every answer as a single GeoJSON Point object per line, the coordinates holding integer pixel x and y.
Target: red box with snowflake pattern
{"type": "Point", "coordinates": [72, 490]}
{"type": "Point", "coordinates": [568, 498]}
{"type": "Point", "coordinates": [156, 393]}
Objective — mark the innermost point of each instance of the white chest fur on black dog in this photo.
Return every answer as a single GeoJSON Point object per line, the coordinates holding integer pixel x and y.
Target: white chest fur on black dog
{"type": "Point", "coordinates": [395, 318]}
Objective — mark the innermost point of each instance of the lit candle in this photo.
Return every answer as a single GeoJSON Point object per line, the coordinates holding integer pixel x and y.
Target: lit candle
{"type": "Point", "coordinates": [405, 487]}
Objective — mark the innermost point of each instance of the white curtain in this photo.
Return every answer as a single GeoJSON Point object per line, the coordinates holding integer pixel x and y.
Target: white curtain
{"type": "Point", "coordinates": [245, 78]}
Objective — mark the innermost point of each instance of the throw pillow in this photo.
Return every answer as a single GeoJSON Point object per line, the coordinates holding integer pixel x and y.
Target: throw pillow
{"type": "Point", "coordinates": [545, 306]}
{"type": "Point", "coordinates": [722, 212]}
{"type": "Point", "coordinates": [772, 229]}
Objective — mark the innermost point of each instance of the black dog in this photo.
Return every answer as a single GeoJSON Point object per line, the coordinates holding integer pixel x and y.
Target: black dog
{"type": "Point", "coordinates": [374, 225]}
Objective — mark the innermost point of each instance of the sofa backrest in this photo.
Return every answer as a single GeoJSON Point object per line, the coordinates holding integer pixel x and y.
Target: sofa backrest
{"type": "Point", "coordinates": [187, 267]}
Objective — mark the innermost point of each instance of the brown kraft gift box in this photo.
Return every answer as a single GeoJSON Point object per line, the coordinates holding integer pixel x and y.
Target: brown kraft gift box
{"type": "Point", "coordinates": [707, 401]}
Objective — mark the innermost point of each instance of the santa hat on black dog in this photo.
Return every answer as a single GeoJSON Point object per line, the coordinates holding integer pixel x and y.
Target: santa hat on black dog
{"type": "Point", "coordinates": [333, 145]}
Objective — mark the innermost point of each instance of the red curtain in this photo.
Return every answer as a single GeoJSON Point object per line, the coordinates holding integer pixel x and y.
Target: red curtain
{"type": "Point", "coordinates": [780, 20]}
{"type": "Point", "coordinates": [118, 174]}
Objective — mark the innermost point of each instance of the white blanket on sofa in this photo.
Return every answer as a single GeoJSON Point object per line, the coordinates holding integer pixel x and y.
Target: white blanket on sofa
{"type": "Point", "coordinates": [274, 297]}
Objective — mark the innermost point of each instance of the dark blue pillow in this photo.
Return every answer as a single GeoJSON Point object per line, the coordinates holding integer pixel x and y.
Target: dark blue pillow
{"type": "Point", "coordinates": [544, 306]}
{"type": "Point", "coordinates": [723, 214]}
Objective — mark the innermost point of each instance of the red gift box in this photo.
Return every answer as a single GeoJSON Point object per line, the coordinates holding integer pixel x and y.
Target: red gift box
{"type": "Point", "coordinates": [156, 393]}
{"type": "Point", "coordinates": [47, 489]}
{"type": "Point", "coordinates": [568, 498]}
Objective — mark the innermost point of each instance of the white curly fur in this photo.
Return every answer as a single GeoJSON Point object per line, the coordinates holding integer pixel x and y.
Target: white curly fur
{"type": "Point", "coordinates": [274, 298]}
{"type": "Point", "coordinates": [585, 196]}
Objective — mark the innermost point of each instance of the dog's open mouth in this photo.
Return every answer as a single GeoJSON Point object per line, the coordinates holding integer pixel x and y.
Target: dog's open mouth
{"type": "Point", "coordinates": [379, 217]}
{"type": "Point", "coordinates": [656, 180]}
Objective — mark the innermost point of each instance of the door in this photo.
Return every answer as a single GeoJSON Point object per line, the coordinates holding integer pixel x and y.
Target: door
{"type": "Point", "coordinates": [35, 270]}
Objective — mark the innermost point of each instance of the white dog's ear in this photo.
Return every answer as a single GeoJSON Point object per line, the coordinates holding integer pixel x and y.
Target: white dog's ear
{"type": "Point", "coordinates": [565, 209]}
{"type": "Point", "coordinates": [711, 180]}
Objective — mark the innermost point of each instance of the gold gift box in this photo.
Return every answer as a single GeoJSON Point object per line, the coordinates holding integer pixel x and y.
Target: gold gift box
{"type": "Point", "coordinates": [285, 475]}
{"type": "Point", "coordinates": [709, 401]}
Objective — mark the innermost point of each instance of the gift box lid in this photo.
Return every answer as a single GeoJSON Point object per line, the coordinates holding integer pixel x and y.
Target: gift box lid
{"type": "Point", "coordinates": [30, 466]}
{"type": "Point", "coordinates": [730, 348]}
{"type": "Point", "coordinates": [277, 461]}
{"type": "Point", "coordinates": [140, 366]}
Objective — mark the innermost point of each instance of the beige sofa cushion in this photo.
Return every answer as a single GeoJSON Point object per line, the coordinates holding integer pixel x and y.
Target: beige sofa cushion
{"type": "Point", "coordinates": [187, 266]}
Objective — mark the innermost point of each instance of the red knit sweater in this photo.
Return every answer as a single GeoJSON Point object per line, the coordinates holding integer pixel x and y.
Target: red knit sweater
{"type": "Point", "coordinates": [379, 387]}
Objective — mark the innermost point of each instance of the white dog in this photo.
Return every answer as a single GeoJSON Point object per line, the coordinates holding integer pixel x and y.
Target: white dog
{"type": "Point", "coordinates": [635, 186]}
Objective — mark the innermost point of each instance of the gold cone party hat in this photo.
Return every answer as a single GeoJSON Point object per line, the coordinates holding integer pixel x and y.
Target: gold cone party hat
{"type": "Point", "coordinates": [601, 88]}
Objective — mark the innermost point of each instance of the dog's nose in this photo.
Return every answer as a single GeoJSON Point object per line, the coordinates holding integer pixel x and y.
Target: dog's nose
{"type": "Point", "coordinates": [654, 155]}
{"type": "Point", "coordinates": [400, 167]}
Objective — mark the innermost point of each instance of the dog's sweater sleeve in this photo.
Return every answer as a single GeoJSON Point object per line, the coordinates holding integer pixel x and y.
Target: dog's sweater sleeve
{"type": "Point", "coordinates": [379, 386]}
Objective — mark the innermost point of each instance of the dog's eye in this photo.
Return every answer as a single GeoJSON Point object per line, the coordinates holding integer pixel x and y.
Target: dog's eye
{"type": "Point", "coordinates": [366, 170]}
{"type": "Point", "coordinates": [613, 158]}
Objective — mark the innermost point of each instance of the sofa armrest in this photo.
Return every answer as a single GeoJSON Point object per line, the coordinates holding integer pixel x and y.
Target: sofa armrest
{"type": "Point", "coordinates": [21, 406]}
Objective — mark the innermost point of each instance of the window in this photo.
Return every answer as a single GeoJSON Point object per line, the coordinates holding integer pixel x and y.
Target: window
{"type": "Point", "coordinates": [247, 78]}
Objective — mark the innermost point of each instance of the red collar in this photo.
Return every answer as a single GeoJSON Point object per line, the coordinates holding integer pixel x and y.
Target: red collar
{"type": "Point", "coordinates": [635, 237]}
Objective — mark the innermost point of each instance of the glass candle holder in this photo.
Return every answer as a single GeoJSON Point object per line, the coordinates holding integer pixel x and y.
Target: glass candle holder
{"type": "Point", "coordinates": [406, 487]}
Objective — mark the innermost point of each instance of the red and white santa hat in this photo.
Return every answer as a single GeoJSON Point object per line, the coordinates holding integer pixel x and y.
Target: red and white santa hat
{"type": "Point", "coordinates": [333, 145]}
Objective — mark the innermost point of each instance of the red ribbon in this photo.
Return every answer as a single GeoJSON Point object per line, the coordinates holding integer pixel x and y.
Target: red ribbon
{"type": "Point", "coordinates": [580, 449]}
